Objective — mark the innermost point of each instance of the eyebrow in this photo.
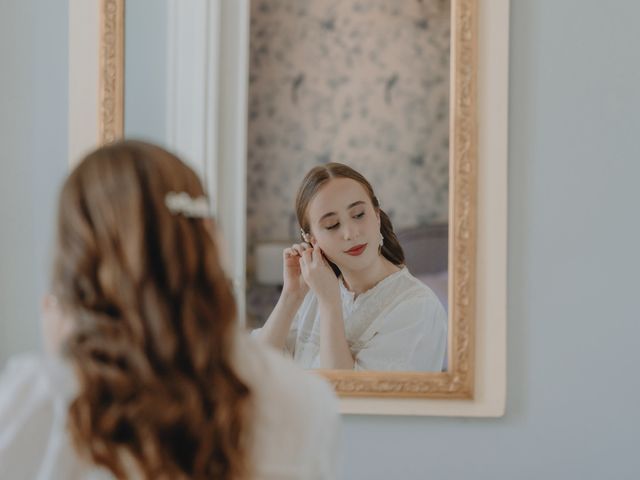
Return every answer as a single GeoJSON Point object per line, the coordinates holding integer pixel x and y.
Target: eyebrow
{"type": "Point", "coordinates": [359, 202]}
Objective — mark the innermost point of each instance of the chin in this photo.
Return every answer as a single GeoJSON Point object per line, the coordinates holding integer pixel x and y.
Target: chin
{"type": "Point", "coordinates": [358, 263]}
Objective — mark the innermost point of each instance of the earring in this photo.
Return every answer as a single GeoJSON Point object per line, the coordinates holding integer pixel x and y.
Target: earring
{"type": "Point", "coordinates": [381, 239]}
{"type": "Point", "coordinates": [305, 235]}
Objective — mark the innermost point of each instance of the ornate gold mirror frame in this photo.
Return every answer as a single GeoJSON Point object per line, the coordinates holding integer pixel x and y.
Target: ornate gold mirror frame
{"type": "Point", "coordinates": [111, 88]}
{"type": "Point", "coordinates": [458, 381]}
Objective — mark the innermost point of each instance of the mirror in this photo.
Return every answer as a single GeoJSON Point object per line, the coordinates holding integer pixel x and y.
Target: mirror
{"type": "Point", "coordinates": [387, 87]}
{"type": "Point", "coordinates": [364, 84]}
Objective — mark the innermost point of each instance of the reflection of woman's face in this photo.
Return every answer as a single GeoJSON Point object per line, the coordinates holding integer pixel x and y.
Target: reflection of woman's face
{"type": "Point", "coordinates": [345, 224]}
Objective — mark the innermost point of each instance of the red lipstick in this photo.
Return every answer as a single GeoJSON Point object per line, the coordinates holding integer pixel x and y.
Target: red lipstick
{"type": "Point", "coordinates": [357, 250]}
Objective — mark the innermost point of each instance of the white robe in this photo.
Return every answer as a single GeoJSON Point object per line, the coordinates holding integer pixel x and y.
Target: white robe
{"type": "Point", "coordinates": [399, 324]}
{"type": "Point", "coordinates": [295, 434]}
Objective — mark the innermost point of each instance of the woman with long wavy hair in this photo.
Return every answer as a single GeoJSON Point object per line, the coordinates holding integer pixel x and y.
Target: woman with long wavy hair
{"type": "Point", "coordinates": [161, 383]}
{"type": "Point", "coordinates": [348, 300]}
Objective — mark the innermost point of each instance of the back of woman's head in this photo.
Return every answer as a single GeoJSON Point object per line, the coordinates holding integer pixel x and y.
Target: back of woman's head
{"type": "Point", "coordinates": [153, 320]}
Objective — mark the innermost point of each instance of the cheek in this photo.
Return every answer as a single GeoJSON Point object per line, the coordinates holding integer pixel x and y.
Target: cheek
{"type": "Point", "coordinates": [328, 246]}
{"type": "Point", "coordinates": [372, 225]}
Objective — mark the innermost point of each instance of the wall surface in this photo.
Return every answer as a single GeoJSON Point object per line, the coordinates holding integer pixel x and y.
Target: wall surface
{"type": "Point", "coordinates": [33, 159]}
{"type": "Point", "coordinates": [573, 245]}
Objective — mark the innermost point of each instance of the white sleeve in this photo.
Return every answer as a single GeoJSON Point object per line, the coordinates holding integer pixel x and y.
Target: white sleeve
{"type": "Point", "coordinates": [33, 438]}
{"type": "Point", "coordinates": [24, 412]}
{"type": "Point", "coordinates": [412, 337]}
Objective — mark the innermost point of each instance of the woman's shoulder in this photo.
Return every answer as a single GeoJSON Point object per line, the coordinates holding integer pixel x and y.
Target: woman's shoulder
{"type": "Point", "coordinates": [34, 379]}
{"type": "Point", "coordinates": [27, 365]}
{"type": "Point", "coordinates": [296, 420]}
{"type": "Point", "coordinates": [277, 378]}
{"type": "Point", "coordinates": [411, 302]}
{"type": "Point", "coordinates": [34, 395]}
{"type": "Point", "coordinates": [406, 287]}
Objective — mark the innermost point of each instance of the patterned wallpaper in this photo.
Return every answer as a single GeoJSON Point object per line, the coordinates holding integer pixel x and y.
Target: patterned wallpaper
{"type": "Point", "coordinates": [362, 82]}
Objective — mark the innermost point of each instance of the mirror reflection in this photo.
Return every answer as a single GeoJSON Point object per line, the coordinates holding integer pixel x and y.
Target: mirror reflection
{"type": "Point", "coordinates": [348, 173]}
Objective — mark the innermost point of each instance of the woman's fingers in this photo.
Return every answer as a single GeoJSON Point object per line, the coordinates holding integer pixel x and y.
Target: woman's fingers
{"type": "Point", "coordinates": [299, 248]}
{"type": "Point", "coordinates": [318, 256]}
{"type": "Point", "coordinates": [305, 260]}
{"type": "Point", "coordinates": [304, 267]}
{"type": "Point", "coordinates": [314, 255]}
{"type": "Point", "coordinates": [307, 255]}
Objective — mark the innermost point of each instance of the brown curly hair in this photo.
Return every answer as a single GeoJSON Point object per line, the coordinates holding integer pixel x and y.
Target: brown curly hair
{"type": "Point", "coordinates": [153, 321]}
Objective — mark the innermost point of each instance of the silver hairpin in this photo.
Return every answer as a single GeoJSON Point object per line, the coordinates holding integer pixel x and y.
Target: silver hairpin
{"type": "Point", "coordinates": [181, 203]}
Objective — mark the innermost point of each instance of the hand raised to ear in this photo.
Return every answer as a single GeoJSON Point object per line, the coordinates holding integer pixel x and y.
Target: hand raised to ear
{"type": "Point", "coordinates": [319, 276]}
{"type": "Point", "coordinates": [293, 282]}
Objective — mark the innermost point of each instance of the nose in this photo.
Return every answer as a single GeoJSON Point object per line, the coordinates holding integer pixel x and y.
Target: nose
{"type": "Point", "coordinates": [350, 231]}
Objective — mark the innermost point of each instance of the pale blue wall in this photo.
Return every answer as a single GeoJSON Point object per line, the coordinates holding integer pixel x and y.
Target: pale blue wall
{"type": "Point", "coordinates": [574, 237]}
{"type": "Point", "coordinates": [33, 156]}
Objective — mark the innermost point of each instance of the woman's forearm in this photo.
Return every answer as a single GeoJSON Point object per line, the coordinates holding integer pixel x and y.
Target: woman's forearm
{"type": "Point", "coordinates": [276, 328]}
{"type": "Point", "coordinates": [334, 349]}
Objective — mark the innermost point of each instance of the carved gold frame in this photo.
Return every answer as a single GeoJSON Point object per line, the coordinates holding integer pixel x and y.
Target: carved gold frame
{"type": "Point", "coordinates": [458, 381]}
{"type": "Point", "coordinates": [111, 88]}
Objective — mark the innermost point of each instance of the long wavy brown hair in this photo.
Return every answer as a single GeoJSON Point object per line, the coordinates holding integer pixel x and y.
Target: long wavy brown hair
{"type": "Point", "coordinates": [153, 321]}
{"type": "Point", "coordinates": [317, 177]}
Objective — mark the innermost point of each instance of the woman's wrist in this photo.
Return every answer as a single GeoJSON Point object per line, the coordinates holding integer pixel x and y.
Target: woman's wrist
{"type": "Point", "coordinates": [330, 302]}
{"type": "Point", "coordinates": [291, 297]}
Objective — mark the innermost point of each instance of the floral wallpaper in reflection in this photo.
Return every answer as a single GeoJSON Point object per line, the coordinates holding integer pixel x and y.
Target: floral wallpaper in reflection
{"type": "Point", "coordinates": [362, 82]}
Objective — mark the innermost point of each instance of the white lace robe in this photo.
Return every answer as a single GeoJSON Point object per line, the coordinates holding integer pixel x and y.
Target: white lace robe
{"type": "Point", "coordinates": [399, 324]}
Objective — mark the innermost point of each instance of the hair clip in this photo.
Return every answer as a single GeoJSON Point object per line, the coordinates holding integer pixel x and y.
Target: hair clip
{"type": "Point", "coordinates": [183, 204]}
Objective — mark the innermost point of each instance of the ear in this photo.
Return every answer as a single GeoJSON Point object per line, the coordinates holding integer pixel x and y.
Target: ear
{"type": "Point", "coordinates": [307, 236]}
{"type": "Point", "coordinates": [56, 327]}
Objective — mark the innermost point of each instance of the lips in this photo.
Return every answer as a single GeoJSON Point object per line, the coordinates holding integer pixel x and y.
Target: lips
{"type": "Point", "coordinates": [357, 250]}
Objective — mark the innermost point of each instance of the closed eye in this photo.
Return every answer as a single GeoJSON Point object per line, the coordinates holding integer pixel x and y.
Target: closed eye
{"type": "Point", "coordinates": [336, 225]}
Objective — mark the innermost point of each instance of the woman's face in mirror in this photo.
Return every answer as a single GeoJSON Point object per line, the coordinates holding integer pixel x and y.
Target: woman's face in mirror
{"type": "Point", "coordinates": [345, 224]}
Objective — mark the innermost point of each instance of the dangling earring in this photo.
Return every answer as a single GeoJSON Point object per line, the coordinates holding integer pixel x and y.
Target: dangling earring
{"type": "Point", "coordinates": [381, 242]}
